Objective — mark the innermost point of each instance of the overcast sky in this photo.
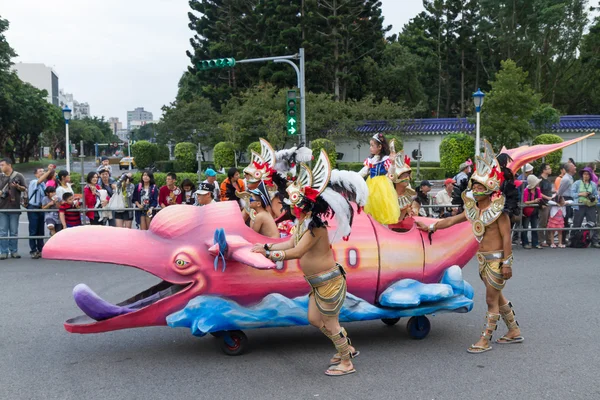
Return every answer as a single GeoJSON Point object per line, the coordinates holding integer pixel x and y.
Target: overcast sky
{"type": "Point", "coordinates": [120, 54]}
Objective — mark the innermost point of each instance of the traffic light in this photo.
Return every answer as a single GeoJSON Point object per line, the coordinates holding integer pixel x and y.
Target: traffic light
{"type": "Point", "coordinates": [216, 63]}
{"type": "Point", "coordinates": [292, 114]}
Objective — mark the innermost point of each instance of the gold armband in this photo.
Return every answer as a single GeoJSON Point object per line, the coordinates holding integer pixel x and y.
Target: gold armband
{"type": "Point", "coordinates": [276, 255]}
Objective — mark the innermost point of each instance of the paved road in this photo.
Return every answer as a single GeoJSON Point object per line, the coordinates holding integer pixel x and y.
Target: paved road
{"type": "Point", "coordinates": [555, 293]}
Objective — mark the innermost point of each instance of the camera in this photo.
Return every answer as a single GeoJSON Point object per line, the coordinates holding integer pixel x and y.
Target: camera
{"type": "Point", "coordinates": [591, 198]}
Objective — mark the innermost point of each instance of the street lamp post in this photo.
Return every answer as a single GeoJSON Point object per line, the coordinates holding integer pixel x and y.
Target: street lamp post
{"type": "Point", "coordinates": [67, 116]}
{"type": "Point", "coordinates": [478, 100]}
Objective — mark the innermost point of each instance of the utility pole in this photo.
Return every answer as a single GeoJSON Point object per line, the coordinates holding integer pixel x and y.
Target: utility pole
{"type": "Point", "coordinates": [300, 72]}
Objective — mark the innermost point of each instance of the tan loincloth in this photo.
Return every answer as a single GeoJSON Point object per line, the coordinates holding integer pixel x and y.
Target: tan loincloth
{"type": "Point", "coordinates": [490, 268]}
{"type": "Point", "coordinates": [329, 289]}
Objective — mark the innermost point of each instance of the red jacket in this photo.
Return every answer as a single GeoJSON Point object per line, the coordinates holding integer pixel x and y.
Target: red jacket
{"type": "Point", "coordinates": [90, 200]}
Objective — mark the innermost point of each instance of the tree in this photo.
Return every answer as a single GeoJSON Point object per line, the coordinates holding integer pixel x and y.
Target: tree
{"type": "Point", "coordinates": [509, 108]}
{"type": "Point", "coordinates": [145, 132]}
{"type": "Point", "coordinates": [6, 52]}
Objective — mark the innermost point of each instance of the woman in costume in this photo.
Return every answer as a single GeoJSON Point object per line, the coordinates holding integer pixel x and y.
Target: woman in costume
{"type": "Point", "coordinates": [314, 200]}
{"type": "Point", "coordinates": [400, 174]}
{"type": "Point", "coordinates": [382, 204]}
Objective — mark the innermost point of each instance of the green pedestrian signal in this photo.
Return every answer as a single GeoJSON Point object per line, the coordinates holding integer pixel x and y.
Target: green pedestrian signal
{"type": "Point", "coordinates": [216, 63]}
{"type": "Point", "coordinates": [292, 114]}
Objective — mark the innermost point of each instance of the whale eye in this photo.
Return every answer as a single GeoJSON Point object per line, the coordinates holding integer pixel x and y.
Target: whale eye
{"type": "Point", "coordinates": [181, 263]}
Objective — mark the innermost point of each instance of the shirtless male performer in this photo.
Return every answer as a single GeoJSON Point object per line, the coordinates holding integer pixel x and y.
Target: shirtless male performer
{"type": "Point", "coordinates": [484, 208]}
{"type": "Point", "coordinates": [261, 220]}
{"type": "Point", "coordinates": [312, 201]}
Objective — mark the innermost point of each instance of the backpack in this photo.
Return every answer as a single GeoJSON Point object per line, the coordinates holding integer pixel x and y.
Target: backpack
{"type": "Point", "coordinates": [582, 239]}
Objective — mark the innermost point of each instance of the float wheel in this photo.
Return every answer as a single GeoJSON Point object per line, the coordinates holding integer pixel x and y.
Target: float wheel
{"type": "Point", "coordinates": [233, 343]}
{"type": "Point", "coordinates": [390, 321]}
{"type": "Point", "coordinates": [418, 327]}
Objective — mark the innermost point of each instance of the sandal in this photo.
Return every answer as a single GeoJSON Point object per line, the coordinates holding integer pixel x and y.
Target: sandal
{"type": "Point", "coordinates": [552, 246]}
{"type": "Point", "coordinates": [336, 359]}
{"type": "Point", "coordinates": [507, 340]}
{"type": "Point", "coordinates": [478, 349]}
{"type": "Point", "coordinates": [334, 369]}
{"type": "Point", "coordinates": [561, 246]}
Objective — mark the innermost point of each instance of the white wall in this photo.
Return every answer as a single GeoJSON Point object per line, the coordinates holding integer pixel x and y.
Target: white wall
{"type": "Point", "coordinates": [429, 148]}
{"type": "Point", "coordinates": [38, 75]}
{"type": "Point", "coordinates": [584, 151]}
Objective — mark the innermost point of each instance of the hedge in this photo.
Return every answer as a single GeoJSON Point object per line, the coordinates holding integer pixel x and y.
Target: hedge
{"type": "Point", "coordinates": [185, 154]}
{"type": "Point", "coordinates": [224, 154]}
{"type": "Point", "coordinates": [327, 145]}
{"type": "Point", "coordinates": [553, 158]}
{"type": "Point", "coordinates": [144, 152]}
{"type": "Point", "coordinates": [454, 150]}
{"type": "Point", "coordinates": [429, 173]}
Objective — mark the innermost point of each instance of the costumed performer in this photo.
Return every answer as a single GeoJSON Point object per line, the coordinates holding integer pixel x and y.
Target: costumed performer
{"type": "Point", "coordinates": [484, 208]}
{"type": "Point", "coordinates": [313, 200]}
{"type": "Point", "coordinates": [400, 174]}
{"type": "Point", "coordinates": [382, 204]}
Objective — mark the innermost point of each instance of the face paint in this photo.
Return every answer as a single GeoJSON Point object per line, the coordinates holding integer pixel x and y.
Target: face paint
{"type": "Point", "coordinates": [480, 194]}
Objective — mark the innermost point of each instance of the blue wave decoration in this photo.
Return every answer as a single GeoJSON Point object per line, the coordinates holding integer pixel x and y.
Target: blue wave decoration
{"type": "Point", "coordinates": [405, 298]}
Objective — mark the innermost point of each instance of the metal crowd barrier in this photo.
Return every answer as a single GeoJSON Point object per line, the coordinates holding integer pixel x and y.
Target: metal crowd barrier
{"type": "Point", "coordinates": [443, 206]}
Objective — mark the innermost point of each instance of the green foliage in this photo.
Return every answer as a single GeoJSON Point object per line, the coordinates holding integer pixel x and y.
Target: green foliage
{"type": "Point", "coordinates": [162, 152]}
{"type": "Point", "coordinates": [76, 182]}
{"type": "Point", "coordinates": [511, 106]}
{"type": "Point", "coordinates": [430, 173]}
{"type": "Point", "coordinates": [161, 178]}
{"type": "Point", "coordinates": [454, 150]}
{"type": "Point", "coordinates": [224, 155]}
{"type": "Point", "coordinates": [144, 153]}
{"type": "Point", "coordinates": [254, 146]}
{"type": "Point", "coordinates": [553, 158]}
{"type": "Point", "coordinates": [165, 166]}
{"type": "Point", "coordinates": [327, 145]}
{"type": "Point", "coordinates": [145, 132]}
{"type": "Point", "coordinates": [185, 154]}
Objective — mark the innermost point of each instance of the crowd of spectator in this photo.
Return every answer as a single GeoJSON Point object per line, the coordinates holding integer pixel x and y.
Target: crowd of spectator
{"type": "Point", "coordinates": [564, 202]}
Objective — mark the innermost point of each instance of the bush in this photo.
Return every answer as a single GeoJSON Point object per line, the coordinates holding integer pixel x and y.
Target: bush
{"type": "Point", "coordinates": [429, 173]}
{"type": "Point", "coordinates": [553, 158]}
{"type": "Point", "coordinates": [254, 146]}
{"type": "Point", "coordinates": [185, 154]}
{"type": "Point", "coordinates": [350, 166]}
{"type": "Point", "coordinates": [224, 154]}
{"type": "Point", "coordinates": [454, 150]}
{"type": "Point", "coordinates": [144, 153]}
{"type": "Point", "coordinates": [160, 178]}
{"type": "Point", "coordinates": [76, 182]}
{"type": "Point", "coordinates": [165, 166]}
{"type": "Point", "coordinates": [327, 145]}
{"type": "Point", "coordinates": [162, 152]}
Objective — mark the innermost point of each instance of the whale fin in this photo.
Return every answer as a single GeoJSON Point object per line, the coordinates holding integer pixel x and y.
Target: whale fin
{"type": "Point", "coordinates": [524, 154]}
{"type": "Point", "coordinates": [240, 250]}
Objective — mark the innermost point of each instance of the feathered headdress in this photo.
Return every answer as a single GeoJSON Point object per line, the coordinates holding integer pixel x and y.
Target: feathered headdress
{"type": "Point", "coordinates": [289, 159]}
{"type": "Point", "coordinates": [487, 170]}
{"type": "Point", "coordinates": [261, 167]}
{"type": "Point", "coordinates": [401, 164]}
{"type": "Point", "coordinates": [325, 191]}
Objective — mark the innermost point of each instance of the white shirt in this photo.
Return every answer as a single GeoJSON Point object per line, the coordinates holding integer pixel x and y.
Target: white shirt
{"type": "Point", "coordinates": [443, 198]}
{"type": "Point", "coordinates": [217, 191]}
{"type": "Point", "coordinates": [60, 191]}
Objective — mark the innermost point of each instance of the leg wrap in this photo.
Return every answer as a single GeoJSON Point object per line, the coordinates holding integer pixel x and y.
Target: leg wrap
{"type": "Point", "coordinates": [508, 315]}
{"type": "Point", "coordinates": [340, 341]}
{"type": "Point", "coordinates": [490, 325]}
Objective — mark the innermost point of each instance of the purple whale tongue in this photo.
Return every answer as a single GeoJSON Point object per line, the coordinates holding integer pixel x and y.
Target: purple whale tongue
{"type": "Point", "coordinates": [94, 306]}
